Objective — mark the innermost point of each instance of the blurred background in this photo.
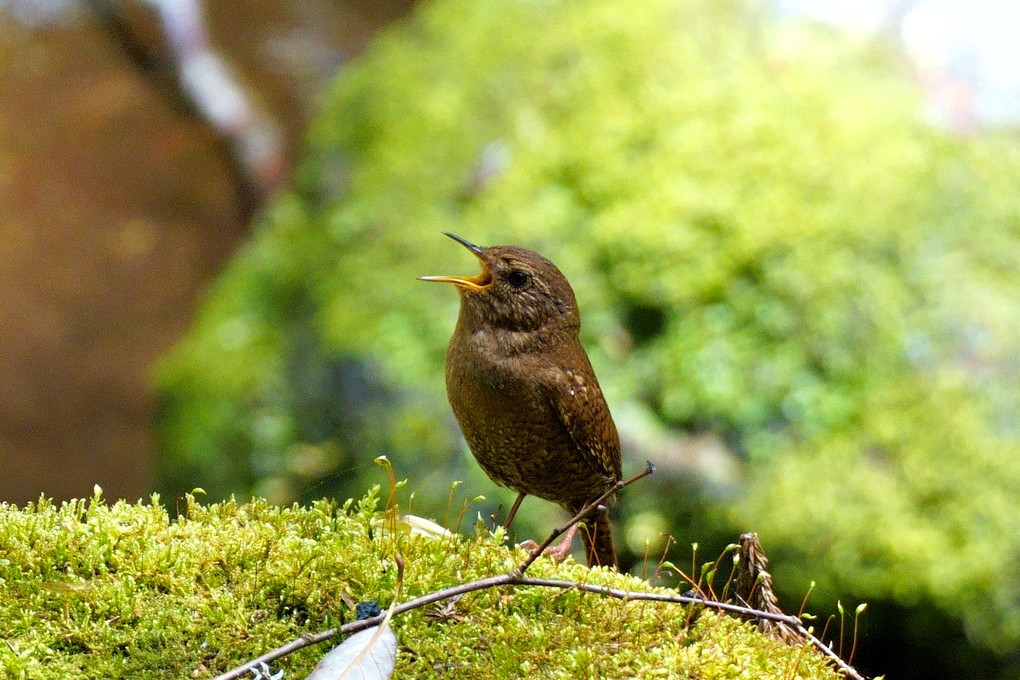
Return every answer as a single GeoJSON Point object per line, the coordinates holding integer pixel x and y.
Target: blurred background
{"type": "Point", "coordinates": [793, 229]}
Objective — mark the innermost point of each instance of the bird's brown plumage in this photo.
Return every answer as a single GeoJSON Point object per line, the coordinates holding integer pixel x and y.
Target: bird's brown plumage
{"type": "Point", "coordinates": [523, 391]}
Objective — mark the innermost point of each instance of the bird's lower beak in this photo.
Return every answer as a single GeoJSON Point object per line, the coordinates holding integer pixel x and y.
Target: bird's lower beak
{"type": "Point", "coordinates": [470, 282]}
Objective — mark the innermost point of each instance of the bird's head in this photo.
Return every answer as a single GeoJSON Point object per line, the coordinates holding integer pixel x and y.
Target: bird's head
{"type": "Point", "coordinates": [517, 290]}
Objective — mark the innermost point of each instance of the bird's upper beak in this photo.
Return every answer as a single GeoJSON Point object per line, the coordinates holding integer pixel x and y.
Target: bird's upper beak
{"type": "Point", "coordinates": [470, 282]}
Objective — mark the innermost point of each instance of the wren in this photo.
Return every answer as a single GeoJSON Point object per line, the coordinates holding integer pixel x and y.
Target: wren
{"type": "Point", "coordinates": [523, 390]}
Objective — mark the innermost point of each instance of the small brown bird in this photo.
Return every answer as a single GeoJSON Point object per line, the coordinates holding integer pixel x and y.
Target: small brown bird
{"type": "Point", "coordinates": [524, 393]}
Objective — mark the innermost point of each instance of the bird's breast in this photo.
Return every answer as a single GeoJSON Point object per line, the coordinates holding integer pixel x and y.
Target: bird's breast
{"type": "Point", "coordinates": [507, 419]}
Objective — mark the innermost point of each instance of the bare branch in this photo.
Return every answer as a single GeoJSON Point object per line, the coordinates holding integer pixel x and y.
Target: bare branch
{"type": "Point", "coordinates": [516, 578]}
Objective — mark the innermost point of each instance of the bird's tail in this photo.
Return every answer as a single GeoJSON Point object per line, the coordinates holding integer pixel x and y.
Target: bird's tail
{"type": "Point", "coordinates": [597, 537]}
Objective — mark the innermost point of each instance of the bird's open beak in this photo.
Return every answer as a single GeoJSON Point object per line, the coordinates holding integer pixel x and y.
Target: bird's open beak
{"type": "Point", "coordinates": [469, 282]}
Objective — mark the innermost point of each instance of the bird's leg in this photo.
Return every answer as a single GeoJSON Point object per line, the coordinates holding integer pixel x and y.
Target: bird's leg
{"type": "Point", "coordinates": [513, 511]}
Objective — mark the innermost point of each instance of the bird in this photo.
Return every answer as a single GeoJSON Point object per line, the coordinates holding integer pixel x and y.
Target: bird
{"type": "Point", "coordinates": [523, 391]}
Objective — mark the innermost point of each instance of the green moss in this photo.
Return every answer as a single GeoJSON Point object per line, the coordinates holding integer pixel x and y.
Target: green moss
{"type": "Point", "coordinates": [114, 591]}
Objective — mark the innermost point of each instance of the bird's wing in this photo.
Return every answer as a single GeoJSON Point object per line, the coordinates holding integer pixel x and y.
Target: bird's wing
{"type": "Point", "coordinates": [577, 399]}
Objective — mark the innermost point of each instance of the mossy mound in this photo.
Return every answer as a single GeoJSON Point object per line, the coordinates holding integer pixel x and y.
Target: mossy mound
{"type": "Point", "coordinates": [125, 591]}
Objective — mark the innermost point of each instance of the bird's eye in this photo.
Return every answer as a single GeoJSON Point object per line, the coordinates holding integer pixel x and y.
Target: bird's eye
{"type": "Point", "coordinates": [518, 279]}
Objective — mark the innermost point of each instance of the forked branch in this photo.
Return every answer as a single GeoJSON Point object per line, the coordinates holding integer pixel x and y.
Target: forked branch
{"type": "Point", "coordinates": [516, 577]}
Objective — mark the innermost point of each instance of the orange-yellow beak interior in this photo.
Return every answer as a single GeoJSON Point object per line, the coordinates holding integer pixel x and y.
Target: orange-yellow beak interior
{"type": "Point", "coordinates": [470, 282]}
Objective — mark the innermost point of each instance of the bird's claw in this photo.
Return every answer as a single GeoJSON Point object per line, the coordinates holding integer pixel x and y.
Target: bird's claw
{"type": "Point", "coordinates": [558, 551]}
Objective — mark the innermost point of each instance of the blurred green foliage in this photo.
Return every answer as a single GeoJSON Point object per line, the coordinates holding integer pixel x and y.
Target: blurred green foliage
{"type": "Point", "coordinates": [769, 245]}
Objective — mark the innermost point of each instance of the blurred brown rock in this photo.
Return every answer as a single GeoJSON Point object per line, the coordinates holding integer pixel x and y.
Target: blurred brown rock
{"type": "Point", "coordinates": [117, 206]}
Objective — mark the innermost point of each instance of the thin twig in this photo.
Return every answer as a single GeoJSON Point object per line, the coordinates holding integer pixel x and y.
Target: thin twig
{"type": "Point", "coordinates": [658, 597]}
{"type": "Point", "coordinates": [516, 578]}
{"type": "Point", "coordinates": [827, 651]}
{"type": "Point", "coordinates": [512, 580]}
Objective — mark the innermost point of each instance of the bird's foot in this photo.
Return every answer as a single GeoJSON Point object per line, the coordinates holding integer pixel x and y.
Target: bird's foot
{"type": "Point", "coordinates": [558, 551]}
